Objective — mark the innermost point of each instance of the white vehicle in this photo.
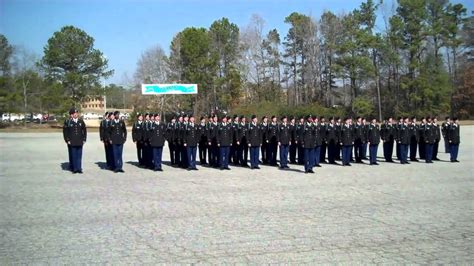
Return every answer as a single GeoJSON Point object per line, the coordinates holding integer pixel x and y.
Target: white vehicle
{"type": "Point", "coordinates": [12, 117]}
{"type": "Point", "coordinates": [88, 116]}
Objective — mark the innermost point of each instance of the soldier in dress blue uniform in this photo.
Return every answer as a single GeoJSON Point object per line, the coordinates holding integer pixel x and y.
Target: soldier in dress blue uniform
{"type": "Point", "coordinates": [388, 132]}
{"type": "Point", "coordinates": [284, 139]}
{"type": "Point", "coordinates": [117, 134]}
{"type": "Point", "coordinates": [147, 149]}
{"type": "Point", "coordinates": [103, 128]}
{"type": "Point", "coordinates": [156, 136]}
{"type": "Point", "coordinates": [332, 139]}
{"type": "Point", "coordinates": [430, 138]}
{"type": "Point", "coordinates": [323, 125]}
{"type": "Point", "coordinates": [444, 131]}
{"type": "Point", "coordinates": [397, 145]}
{"type": "Point", "coordinates": [171, 138]}
{"type": "Point", "coordinates": [421, 138]}
{"type": "Point", "coordinates": [437, 130]}
{"type": "Point", "coordinates": [299, 133]}
{"type": "Point", "coordinates": [359, 140]}
{"type": "Point", "coordinates": [65, 127]}
{"type": "Point", "coordinates": [213, 127]}
{"type": "Point", "coordinates": [138, 137]}
{"type": "Point", "coordinates": [264, 148]}
{"type": "Point", "coordinates": [414, 138]}
{"type": "Point", "coordinates": [318, 142]}
{"type": "Point", "coordinates": [203, 147]}
{"type": "Point", "coordinates": [346, 141]}
{"type": "Point", "coordinates": [272, 142]}
{"type": "Point", "coordinates": [339, 125]}
{"type": "Point", "coordinates": [224, 141]}
{"type": "Point", "coordinates": [293, 140]}
{"type": "Point", "coordinates": [254, 138]}
{"type": "Point", "coordinates": [373, 140]}
{"type": "Point", "coordinates": [192, 136]}
{"type": "Point", "coordinates": [365, 144]}
{"type": "Point", "coordinates": [308, 142]}
{"type": "Point", "coordinates": [244, 148]}
{"type": "Point", "coordinates": [453, 136]}
{"type": "Point", "coordinates": [403, 140]}
{"type": "Point", "coordinates": [182, 134]}
{"type": "Point", "coordinates": [235, 148]}
{"type": "Point", "coordinates": [76, 136]}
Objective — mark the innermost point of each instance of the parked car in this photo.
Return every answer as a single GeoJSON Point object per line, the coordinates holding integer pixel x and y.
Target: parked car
{"type": "Point", "coordinates": [88, 116]}
{"type": "Point", "coordinates": [8, 117]}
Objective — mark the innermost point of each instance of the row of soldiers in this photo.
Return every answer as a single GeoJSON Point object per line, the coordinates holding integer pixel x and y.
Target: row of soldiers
{"type": "Point", "coordinates": [305, 141]}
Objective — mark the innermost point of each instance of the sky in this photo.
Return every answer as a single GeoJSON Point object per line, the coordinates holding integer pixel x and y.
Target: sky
{"type": "Point", "coordinates": [124, 29]}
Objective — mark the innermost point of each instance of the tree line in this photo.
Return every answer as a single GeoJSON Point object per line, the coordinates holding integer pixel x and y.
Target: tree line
{"type": "Point", "coordinates": [419, 61]}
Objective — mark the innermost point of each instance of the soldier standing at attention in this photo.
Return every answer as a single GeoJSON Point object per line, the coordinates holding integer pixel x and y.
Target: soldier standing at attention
{"type": "Point", "coordinates": [454, 140]}
{"type": "Point", "coordinates": [171, 138]}
{"type": "Point", "coordinates": [299, 132]}
{"type": "Point", "coordinates": [339, 126]}
{"type": "Point", "coordinates": [346, 141]}
{"type": "Point", "coordinates": [414, 138]}
{"type": "Point", "coordinates": [104, 124]}
{"type": "Point", "coordinates": [212, 138]}
{"type": "Point", "coordinates": [183, 150]}
{"type": "Point", "coordinates": [359, 141]}
{"type": "Point", "coordinates": [331, 140]}
{"type": "Point", "coordinates": [76, 135]}
{"type": "Point", "coordinates": [373, 139]}
{"type": "Point", "coordinates": [284, 138]}
{"type": "Point", "coordinates": [202, 127]}
{"type": "Point", "coordinates": [264, 129]}
{"type": "Point", "coordinates": [437, 130]}
{"type": "Point", "coordinates": [244, 148]}
{"type": "Point", "coordinates": [318, 142]}
{"type": "Point", "coordinates": [421, 139]}
{"type": "Point", "coordinates": [444, 131]}
{"type": "Point", "coordinates": [322, 156]}
{"type": "Point", "coordinates": [147, 150]}
{"type": "Point", "coordinates": [388, 136]}
{"type": "Point", "coordinates": [234, 149]}
{"type": "Point", "coordinates": [191, 140]}
{"type": "Point", "coordinates": [65, 128]}
{"type": "Point", "coordinates": [138, 136]}
{"type": "Point", "coordinates": [397, 145]}
{"type": "Point", "coordinates": [117, 134]}
{"type": "Point", "coordinates": [156, 137]}
{"type": "Point", "coordinates": [254, 138]}
{"type": "Point", "coordinates": [272, 141]}
{"type": "Point", "coordinates": [293, 141]}
{"type": "Point", "coordinates": [224, 141]}
{"type": "Point", "coordinates": [403, 140]}
{"type": "Point", "coordinates": [365, 144]}
{"type": "Point", "coordinates": [430, 139]}
{"type": "Point", "coordinates": [308, 143]}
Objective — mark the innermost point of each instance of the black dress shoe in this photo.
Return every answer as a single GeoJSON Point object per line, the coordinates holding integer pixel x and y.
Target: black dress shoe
{"type": "Point", "coordinates": [121, 171]}
{"type": "Point", "coordinates": [256, 167]}
{"type": "Point", "coordinates": [74, 172]}
{"type": "Point", "coordinates": [349, 164]}
{"type": "Point", "coordinates": [456, 161]}
{"type": "Point", "coordinates": [414, 160]}
{"type": "Point", "coordinates": [318, 165]}
{"type": "Point", "coordinates": [311, 171]}
{"type": "Point", "coordinates": [79, 172]}
{"type": "Point", "coordinates": [287, 167]}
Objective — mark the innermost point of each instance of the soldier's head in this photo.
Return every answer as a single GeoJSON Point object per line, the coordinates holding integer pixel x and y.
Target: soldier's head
{"type": "Point", "coordinates": [359, 119]}
{"type": "Point", "coordinates": [390, 119]}
{"type": "Point", "coordinates": [405, 119]}
{"type": "Point", "coordinates": [236, 119]}
{"type": "Point", "coordinates": [180, 119]}
{"type": "Point", "coordinates": [374, 121]}
{"type": "Point", "coordinates": [203, 119]}
{"type": "Point", "coordinates": [322, 119]}
{"type": "Point", "coordinates": [224, 119]}
{"type": "Point", "coordinates": [316, 119]}
{"type": "Point", "coordinates": [331, 120]}
{"type": "Point", "coordinates": [254, 119]}
{"type": "Point", "coordinates": [186, 118]}
{"type": "Point", "coordinates": [214, 118]}
{"type": "Point", "coordinates": [191, 119]}
{"type": "Point", "coordinates": [413, 119]}
{"type": "Point", "coordinates": [309, 118]}
{"type": "Point", "coordinates": [455, 120]}
{"type": "Point", "coordinates": [265, 119]}
{"type": "Point", "coordinates": [364, 120]}
{"type": "Point", "coordinates": [116, 115]}
{"type": "Point", "coordinates": [157, 117]}
{"type": "Point", "coordinates": [435, 119]}
{"type": "Point", "coordinates": [140, 117]}
{"type": "Point", "coordinates": [284, 119]}
{"type": "Point", "coordinates": [274, 119]}
{"type": "Point", "coordinates": [106, 115]}
{"type": "Point", "coordinates": [301, 119]}
{"type": "Point", "coordinates": [448, 119]}
{"type": "Point", "coordinates": [292, 120]}
{"type": "Point", "coordinates": [243, 119]}
{"type": "Point", "coordinates": [74, 113]}
{"type": "Point", "coordinates": [173, 119]}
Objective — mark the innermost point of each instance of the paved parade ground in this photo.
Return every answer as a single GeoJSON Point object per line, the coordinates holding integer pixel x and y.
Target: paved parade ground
{"type": "Point", "coordinates": [391, 213]}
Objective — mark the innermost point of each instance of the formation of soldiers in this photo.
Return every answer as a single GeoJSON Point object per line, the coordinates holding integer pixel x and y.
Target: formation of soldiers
{"type": "Point", "coordinates": [307, 141]}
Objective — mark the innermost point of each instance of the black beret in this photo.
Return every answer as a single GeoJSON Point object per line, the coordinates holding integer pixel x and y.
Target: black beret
{"type": "Point", "coordinates": [202, 117]}
{"type": "Point", "coordinates": [447, 117]}
{"type": "Point", "coordinates": [139, 114]}
{"type": "Point", "coordinates": [264, 117]}
{"type": "Point", "coordinates": [309, 117]}
{"type": "Point", "coordinates": [242, 117]}
{"type": "Point", "coordinates": [254, 116]}
{"type": "Point", "coordinates": [106, 114]}
{"type": "Point", "coordinates": [72, 111]}
{"type": "Point", "coordinates": [283, 117]}
{"type": "Point", "coordinates": [236, 116]}
{"type": "Point", "coordinates": [116, 113]}
{"type": "Point", "coordinates": [273, 117]}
